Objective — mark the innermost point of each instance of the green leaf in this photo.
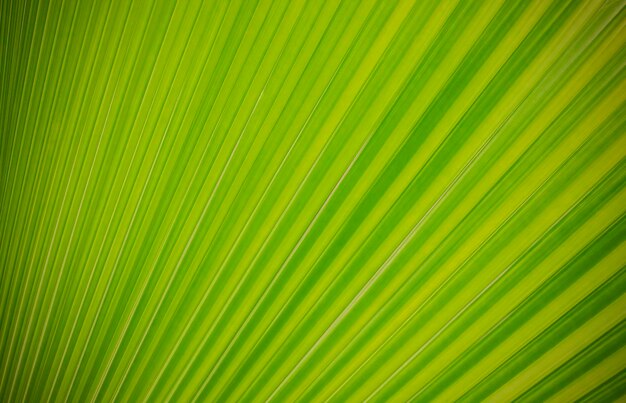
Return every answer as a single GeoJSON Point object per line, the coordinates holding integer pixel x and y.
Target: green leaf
{"type": "Point", "coordinates": [313, 200]}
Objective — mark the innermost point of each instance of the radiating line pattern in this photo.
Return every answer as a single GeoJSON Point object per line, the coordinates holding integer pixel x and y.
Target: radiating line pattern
{"type": "Point", "coordinates": [313, 200]}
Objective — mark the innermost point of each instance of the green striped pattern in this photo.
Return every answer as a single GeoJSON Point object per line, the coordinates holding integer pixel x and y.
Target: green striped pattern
{"type": "Point", "coordinates": [313, 200]}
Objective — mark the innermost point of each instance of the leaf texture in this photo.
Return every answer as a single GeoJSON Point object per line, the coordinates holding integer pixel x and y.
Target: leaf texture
{"type": "Point", "coordinates": [307, 200]}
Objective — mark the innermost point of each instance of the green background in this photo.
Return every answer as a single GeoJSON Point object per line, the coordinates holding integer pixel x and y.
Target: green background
{"type": "Point", "coordinates": [312, 200]}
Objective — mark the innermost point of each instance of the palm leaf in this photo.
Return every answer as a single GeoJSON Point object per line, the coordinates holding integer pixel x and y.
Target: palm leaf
{"type": "Point", "coordinates": [313, 200]}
